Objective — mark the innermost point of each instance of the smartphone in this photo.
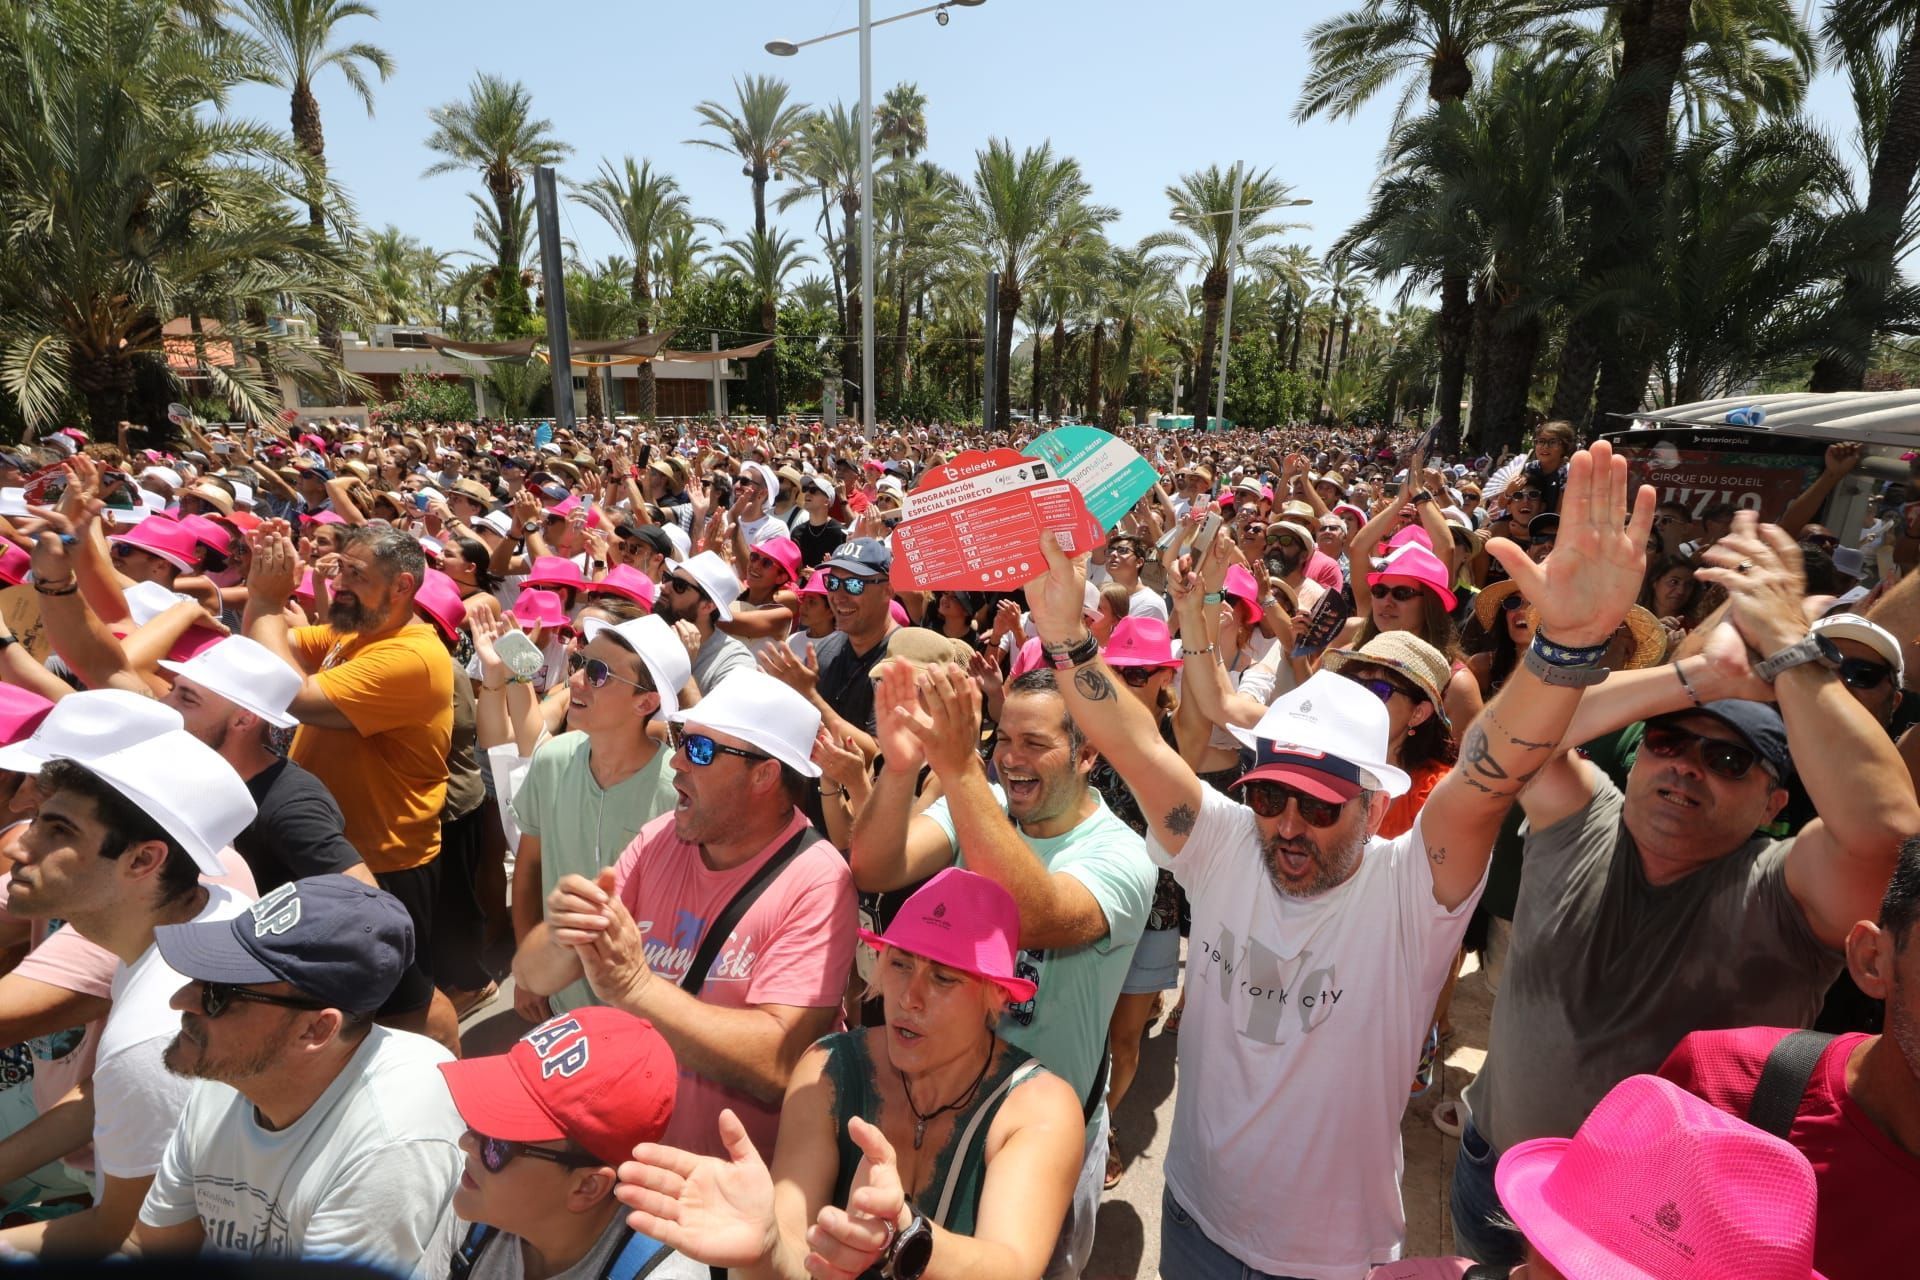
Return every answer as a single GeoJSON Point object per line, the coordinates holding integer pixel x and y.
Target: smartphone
{"type": "Point", "coordinates": [222, 446]}
{"type": "Point", "coordinates": [1203, 539]}
{"type": "Point", "coordinates": [420, 501]}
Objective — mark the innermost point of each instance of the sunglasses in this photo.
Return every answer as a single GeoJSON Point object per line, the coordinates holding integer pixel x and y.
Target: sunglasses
{"type": "Point", "coordinates": [1513, 603]}
{"type": "Point", "coordinates": [1140, 677]}
{"type": "Point", "coordinates": [217, 997]}
{"type": "Point", "coordinates": [1403, 594]}
{"type": "Point", "coordinates": [497, 1153]}
{"type": "Point", "coordinates": [1542, 539]}
{"type": "Point", "coordinates": [1729, 760]}
{"type": "Point", "coordinates": [701, 749]}
{"type": "Point", "coordinates": [1531, 495]}
{"type": "Point", "coordinates": [1863, 673]}
{"type": "Point", "coordinates": [598, 673]}
{"type": "Point", "coordinates": [1824, 541]}
{"type": "Point", "coordinates": [1269, 800]}
{"type": "Point", "coordinates": [855, 587]}
{"type": "Point", "coordinates": [1385, 689]}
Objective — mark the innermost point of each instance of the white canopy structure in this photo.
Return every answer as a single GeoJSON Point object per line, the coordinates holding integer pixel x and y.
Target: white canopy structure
{"type": "Point", "coordinates": [1890, 418]}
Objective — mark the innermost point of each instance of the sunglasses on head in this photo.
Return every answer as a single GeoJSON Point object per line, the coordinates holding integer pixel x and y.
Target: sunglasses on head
{"type": "Point", "coordinates": [1269, 800]}
{"type": "Point", "coordinates": [598, 673]}
{"type": "Point", "coordinates": [1729, 760]}
{"type": "Point", "coordinates": [701, 749]}
{"type": "Point", "coordinates": [217, 997]}
{"type": "Point", "coordinates": [497, 1153]}
{"type": "Point", "coordinates": [1403, 594]}
{"type": "Point", "coordinates": [851, 585]}
{"type": "Point", "coordinates": [1140, 677]}
{"type": "Point", "coordinates": [1863, 673]}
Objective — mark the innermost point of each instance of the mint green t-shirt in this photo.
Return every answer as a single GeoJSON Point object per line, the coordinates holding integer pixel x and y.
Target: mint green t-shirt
{"type": "Point", "coordinates": [1065, 1024]}
{"type": "Point", "coordinates": [581, 827]}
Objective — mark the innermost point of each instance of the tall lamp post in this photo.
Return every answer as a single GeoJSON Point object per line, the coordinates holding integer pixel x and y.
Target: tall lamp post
{"type": "Point", "coordinates": [786, 49]}
{"type": "Point", "coordinates": [1233, 247]}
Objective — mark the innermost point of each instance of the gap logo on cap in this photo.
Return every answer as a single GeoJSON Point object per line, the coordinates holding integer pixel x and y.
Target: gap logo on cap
{"type": "Point", "coordinates": [276, 913]}
{"type": "Point", "coordinates": [546, 1042]}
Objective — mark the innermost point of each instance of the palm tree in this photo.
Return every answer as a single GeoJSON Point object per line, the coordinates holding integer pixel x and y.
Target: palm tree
{"type": "Point", "coordinates": [1203, 208]}
{"type": "Point", "coordinates": [598, 307]}
{"type": "Point", "coordinates": [1139, 284]}
{"type": "Point", "coordinates": [127, 203]}
{"type": "Point", "coordinates": [919, 202]}
{"type": "Point", "coordinates": [642, 206]}
{"type": "Point", "coordinates": [765, 260]}
{"type": "Point", "coordinates": [828, 157]}
{"type": "Point", "coordinates": [1878, 41]}
{"type": "Point", "coordinates": [392, 267]}
{"type": "Point", "coordinates": [679, 257]}
{"type": "Point", "coordinates": [1358, 53]}
{"type": "Point", "coordinates": [297, 37]}
{"type": "Point", "coordinates": [1010, 207]}
{"type": "Point", "coordinates": [494, 131]}
{"type": "Point", "coordinates": [761, 133]}
{"type": "Point", "coordinates": [900, 131]}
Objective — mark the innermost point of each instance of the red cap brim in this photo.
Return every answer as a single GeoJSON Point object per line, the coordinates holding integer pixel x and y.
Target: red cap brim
{"type": "Point", "coordinates": [492, 1098]}
{"type": "Point", "coordinates": [1321, 786]}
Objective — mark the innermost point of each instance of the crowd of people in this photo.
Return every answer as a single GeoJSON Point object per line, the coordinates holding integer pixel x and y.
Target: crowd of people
{"type": "Point", "coordinates": [835, 910]}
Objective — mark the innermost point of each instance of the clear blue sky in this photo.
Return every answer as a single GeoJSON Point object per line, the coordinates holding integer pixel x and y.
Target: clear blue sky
{"type": "Point", "coordinates": [1138, 91]}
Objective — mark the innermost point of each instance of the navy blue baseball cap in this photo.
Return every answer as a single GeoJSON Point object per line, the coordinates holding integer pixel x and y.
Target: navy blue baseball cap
{"type": "Point", "coordinates": [862, 555]}
{"type": "Point", "coordinates": [332, 938]}
{"type": "Point", "coordinates": [1758, 722]}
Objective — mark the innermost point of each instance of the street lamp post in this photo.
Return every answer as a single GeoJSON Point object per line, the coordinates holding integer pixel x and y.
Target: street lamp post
{"type": "Point", "coordinates": [786, 49]}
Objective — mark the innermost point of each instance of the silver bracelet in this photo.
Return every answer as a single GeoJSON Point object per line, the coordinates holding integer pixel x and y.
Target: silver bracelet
{"type": "Point", "coordinates": [1686, 683]}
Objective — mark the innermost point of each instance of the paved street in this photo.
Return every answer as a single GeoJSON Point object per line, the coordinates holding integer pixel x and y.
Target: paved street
{"type": "Point", "coordinates": [1128, 1241]}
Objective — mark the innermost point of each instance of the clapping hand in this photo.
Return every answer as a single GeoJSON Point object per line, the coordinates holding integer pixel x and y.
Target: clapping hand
{"type": "Point", "coordinates": [715, 1211]}
{"type": "Point", "coordinates": [847, 1242]}
{"type": "Point", "coordinates": [946, 719]}
{"type": "Point", "coordinates": [1760, 567]}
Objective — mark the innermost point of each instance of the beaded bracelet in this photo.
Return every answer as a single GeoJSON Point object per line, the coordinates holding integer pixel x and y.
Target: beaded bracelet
{"type": "Point", "coordinates": [1560, 655]}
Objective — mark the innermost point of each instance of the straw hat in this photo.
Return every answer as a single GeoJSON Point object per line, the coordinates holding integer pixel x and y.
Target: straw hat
{"type": "Point", "coordinates": [1405, 654]}
{"type": "Point", "coordinates": [1487, 605]}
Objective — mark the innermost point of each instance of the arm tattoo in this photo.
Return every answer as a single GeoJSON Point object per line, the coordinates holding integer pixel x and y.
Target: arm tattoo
{"type": "Point", "coordinates": [1093, 686]}
{"type": "Point", "coordinates": [1437, 855]}
{"type": "Point", "coordinates": [1475, 755]}
{"type": "Point", "coordinates": [1179, 819]}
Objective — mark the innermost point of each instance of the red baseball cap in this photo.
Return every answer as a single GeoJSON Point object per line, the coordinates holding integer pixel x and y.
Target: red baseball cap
{"type": "Point", "coordinates": [598, 1076]}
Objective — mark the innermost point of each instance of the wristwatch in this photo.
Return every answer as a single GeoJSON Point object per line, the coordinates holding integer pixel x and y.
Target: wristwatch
{"type": "Point", "coordinates": [907, 1257]}
{"type": "Point", "coordinates": [1810, 648]}
{"type": "Point", "coordinates": [1422, 496]}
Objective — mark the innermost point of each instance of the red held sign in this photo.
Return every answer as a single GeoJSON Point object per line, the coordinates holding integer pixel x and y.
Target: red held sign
{"type": "Point", "coordinates": [1699, 479]}
{"type": "Point", "coordinates": [974, 524]}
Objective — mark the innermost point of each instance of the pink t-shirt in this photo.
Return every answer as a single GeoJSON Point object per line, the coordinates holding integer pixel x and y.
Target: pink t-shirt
{"type": "Point", "coordinates": [1325, 570]}
{"type": "Point", "coordinates": [794, 946]}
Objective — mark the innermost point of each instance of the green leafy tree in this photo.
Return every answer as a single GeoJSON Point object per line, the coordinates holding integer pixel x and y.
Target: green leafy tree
{"type": "Point", "coordinates": [764, 260]}
{"type": "Point", "coordinates": [425, 398]}
{"type": "Point", "coordinates": [494, 132]}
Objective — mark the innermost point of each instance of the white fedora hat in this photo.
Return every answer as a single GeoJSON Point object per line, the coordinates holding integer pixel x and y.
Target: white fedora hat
{"type": "Point", "coordinates": [84, 726]}
{"type": "Point", "coordinates": [247, 674]}
{"type": "Point", "coordinates": [659, 648]}
{"type": "Point", "coordinates": [715, 577]}
{"type": "Point", "coordinates": [763, 712]}
{"type": "Point", "coordinates": [184, 786]}
{"type": "Point", "coordinates": [1324, 737]}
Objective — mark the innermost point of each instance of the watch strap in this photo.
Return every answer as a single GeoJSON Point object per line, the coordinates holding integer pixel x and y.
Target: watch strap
{"type": "Point", "coordinates": [1561, 676]}
{"type": "Point", "coordinates": [1799, 653]}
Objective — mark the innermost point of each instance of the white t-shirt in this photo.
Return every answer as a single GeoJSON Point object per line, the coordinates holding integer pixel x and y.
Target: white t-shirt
{"type": "Point", "coordinates": [368, 1173]}
{"type": "Point", "coordinates": [136, 1100]}
{"type": "Point", "coordinates": [504, 1258]}
{"type": "Point", "coordinates": [761, 530]}
{"type": "Point", "coordinates": [1145, 602]}
{"type": "Point", "coordinates": [1304, 1024]}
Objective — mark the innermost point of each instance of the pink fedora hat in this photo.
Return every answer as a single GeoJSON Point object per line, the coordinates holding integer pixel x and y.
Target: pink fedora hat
{"type": "Point", "coordinates": [964, 921]}
{"type": "Point", "coordinates": [628, 582]}
{"type": "Point", "coordinates": [14, 564]}
{"type": "Point", "coordinates": [816, 584]}
{"type": "Point", "coordinates": [784, 552]}
{"type": "Point", "coordinates": [439, 598]}
{"type": "Point", "coordinates": [1661, 1185]}
{"type": "Point", "coordinates": [537, 608]}
{"type": "Point", "coordinates": [165, 538]}
{"type": "Point", "coordinates": [556, 571]}
{"type": "Point", "coordinates": [21, 711]}
{"type": "Point", "coordinates": [1140, 642]}
{"type": "Point", "coordinates": [1414, 563]}
{"type": "Point", "coordinates": [1412, 535]}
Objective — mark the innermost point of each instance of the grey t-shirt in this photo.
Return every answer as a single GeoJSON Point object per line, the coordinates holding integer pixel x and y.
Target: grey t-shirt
{"type": "Point", "coordinates": [719, 657]}
{"type": "Point", "coordinates": [1608, 971]}
{"type": "Point", "coordinates": [503, 1259]}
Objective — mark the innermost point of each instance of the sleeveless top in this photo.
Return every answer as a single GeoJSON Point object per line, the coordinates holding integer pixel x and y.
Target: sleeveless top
{"type": "Point", "coordinates": [850, 1067]}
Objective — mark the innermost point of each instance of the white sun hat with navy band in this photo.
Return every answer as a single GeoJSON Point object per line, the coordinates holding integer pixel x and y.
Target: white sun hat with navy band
{"type": "Point", "coordinates": [1328, 737]}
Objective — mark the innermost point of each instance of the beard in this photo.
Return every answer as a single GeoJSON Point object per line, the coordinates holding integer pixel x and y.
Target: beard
{"type": "Point", "coordinates": [186, 1055]}
{"type": "Point", "coordinates": [351, 613]}
{"type": "Point", "coordinates": [1330, 865]}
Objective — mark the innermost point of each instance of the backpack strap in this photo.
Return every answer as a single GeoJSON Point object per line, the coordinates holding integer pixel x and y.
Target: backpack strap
{"type": "Point", "coordinates": [972, 1131]}
{"type": "Point", "coordinates": [723, 924]}
{"type": "Point", "coordinates": [1783, 1081]}
{"type": "Point", "coordinates": [478, 1237]}
{"type": "Point", "coordinates": [636, 1257]}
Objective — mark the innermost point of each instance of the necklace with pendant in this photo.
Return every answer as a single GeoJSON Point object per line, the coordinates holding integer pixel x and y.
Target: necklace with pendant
{"type": "Point", "coordinates": [920, 1121]}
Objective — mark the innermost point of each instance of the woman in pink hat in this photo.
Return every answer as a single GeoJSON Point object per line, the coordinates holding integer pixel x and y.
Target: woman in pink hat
{"type": "Point", "coordinates": [928, 1136]}
{"type": "Point", "coordinates": [765, 610]}
{"type": "Point", "coordinates": [1411, 591]}
{"type": "Point", "coordinates": [815, 615]}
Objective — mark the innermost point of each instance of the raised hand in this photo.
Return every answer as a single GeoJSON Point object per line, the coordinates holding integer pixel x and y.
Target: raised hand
{"type": "Point", "coordinates": [1760, 567]}
{"type": "Point", "coordinates": [839, 762]}
{"type": "Point", "coordinates": [1583, 590]}
{"type": "Point", "coordinates": [946, 720]}
{"type": "Point", "coordinates": [802, 677]}
{"type": "Point", "coordinates": [715, 1211]}
{"type": "Point", "coordinates": [894, 704]}
{"type": "Point", "coordinates": [1057, 598]}
{"type": "Point", "coordinates": [275, 570]}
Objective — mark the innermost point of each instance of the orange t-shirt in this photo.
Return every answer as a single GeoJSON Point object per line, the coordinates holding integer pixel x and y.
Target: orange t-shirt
{"type": "Point", "coordinates": [1404, 809]}
{"type": "Point", "coordinates": [389, 771]}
